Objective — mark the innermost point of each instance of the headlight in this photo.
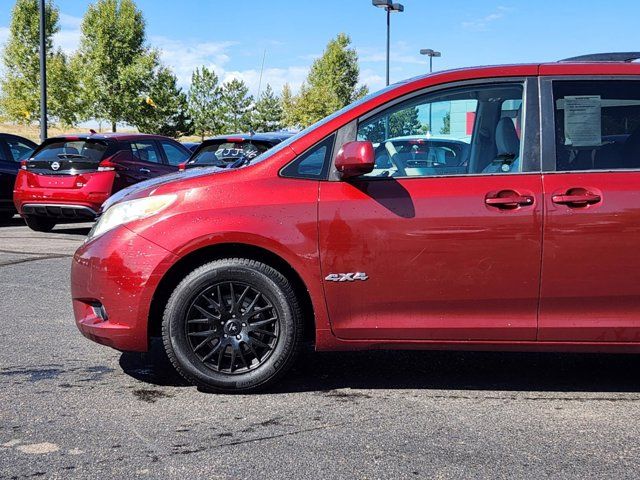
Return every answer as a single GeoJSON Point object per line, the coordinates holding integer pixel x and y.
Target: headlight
{"type": "Point", "coordinates": [126, 212]}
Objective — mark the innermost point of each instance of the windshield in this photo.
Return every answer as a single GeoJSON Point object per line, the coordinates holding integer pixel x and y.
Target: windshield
{"type": "Point", "coordinates": [70, 149]}
{"type": "Point", "coordinates": [222, 153]}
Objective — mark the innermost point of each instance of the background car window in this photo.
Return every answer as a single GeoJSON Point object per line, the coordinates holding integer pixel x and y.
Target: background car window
{"type": "Point", "coordinates": [19, 150]}
{"type": "Point", "coordinates": [313, 163]}
{"type": "Point", "coordinates": [175, 155]}
{"type": "Point", "coordinates": [440, 134]}
{"type": "Point", "coordinates": [597, 125]}
{"type": "Point", "coordinates": [222, 153]}
{"type": "Point", "coordinates": [72, 149]}
{"type": "Point", "coordinates": [145, 151]}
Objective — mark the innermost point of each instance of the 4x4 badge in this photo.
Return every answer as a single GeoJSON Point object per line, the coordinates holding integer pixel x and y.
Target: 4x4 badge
{"type": "Point", "coordinates": [346, 277]}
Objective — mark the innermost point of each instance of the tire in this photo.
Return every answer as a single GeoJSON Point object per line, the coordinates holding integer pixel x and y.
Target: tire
{"type": "Point", "coordinates": [217, 351]}
{"type": "Point", "coordinates": [40, 224]}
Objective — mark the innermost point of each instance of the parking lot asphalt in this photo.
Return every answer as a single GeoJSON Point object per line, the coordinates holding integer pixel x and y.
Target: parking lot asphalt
{"type": "Point", "coordinates": [73, 409]}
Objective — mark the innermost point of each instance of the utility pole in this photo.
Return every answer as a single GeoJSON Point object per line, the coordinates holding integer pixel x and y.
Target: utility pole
{"type": "Point", "coordinates": [43, 74]}
{"type": "Point", "coordinates": [430, 53]}
{"type": "Point", "coordinates": [390, 7]}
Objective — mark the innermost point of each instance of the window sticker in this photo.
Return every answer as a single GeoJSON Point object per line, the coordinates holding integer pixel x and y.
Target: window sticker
{"type": "Point", "coordinates": [582, 120]}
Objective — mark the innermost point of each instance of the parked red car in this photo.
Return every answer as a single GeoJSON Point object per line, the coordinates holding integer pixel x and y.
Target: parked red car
{"type": "Point", "coordinates": [67, 178]}
{"type": "Point", "coordinates": [522, 237]}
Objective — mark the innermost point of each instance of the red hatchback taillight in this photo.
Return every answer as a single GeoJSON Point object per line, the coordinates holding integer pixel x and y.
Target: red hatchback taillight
{"type": "Point", "coordinates": [106, 166]}
{"type": "Point", "coordinates": [23, 164]}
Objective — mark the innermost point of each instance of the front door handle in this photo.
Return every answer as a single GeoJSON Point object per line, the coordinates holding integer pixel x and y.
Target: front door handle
{"type": "Point", "coordinates": [576, 197]}
{"type": "Point", "coordinates": [508, 199]}
{"type": "Point", "coordinates": [144, 170]}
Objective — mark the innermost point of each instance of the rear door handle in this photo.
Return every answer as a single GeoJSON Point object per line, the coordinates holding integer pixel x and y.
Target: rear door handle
{"type": "Point", "coordinates": [144, 170]}
{"type": "Point", "coordinates": [508, 199]}
{"type": "Point", "coordinates": [577, 198]}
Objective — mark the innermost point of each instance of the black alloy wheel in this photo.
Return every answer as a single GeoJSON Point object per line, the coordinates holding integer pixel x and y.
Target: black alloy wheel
{"type": "Point", "coordinates": [232, 327]}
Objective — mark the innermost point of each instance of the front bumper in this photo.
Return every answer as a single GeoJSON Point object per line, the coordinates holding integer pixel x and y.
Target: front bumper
{"type": "Point", "coordinates": [113, 278]}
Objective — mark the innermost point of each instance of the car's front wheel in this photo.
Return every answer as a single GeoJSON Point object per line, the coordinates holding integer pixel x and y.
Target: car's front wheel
{"type": "Point", "coordinates": [40, 224]}
{"type": "Point", "coordinates": [232, 325]}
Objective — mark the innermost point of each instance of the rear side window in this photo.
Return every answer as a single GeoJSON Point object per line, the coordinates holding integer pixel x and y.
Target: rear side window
{"type": "Point", "coordinates": [174, 154]}
{"type": "Point", "coordinates": [72, 149]}
{"type": "Point", "coordinates": [597, 124]}
{"type": "Point", "coordinates": [313, 163]}
{"type": "Point", "coordinates": [145, 151]}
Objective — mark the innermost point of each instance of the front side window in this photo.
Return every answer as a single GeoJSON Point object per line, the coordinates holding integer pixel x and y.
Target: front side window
{"type": "Point", "coordinates": [597, 124]}
{"type": "Point", "coordinates": [468, 130]}
{"type": "Point", "coordinates": [145, 152]}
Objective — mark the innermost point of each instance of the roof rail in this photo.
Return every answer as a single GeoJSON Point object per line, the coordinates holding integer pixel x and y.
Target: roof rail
{"type": "Point", "coordinates": [605, 57]}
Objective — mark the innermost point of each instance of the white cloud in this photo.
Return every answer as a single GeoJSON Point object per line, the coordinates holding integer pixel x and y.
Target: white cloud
{"type": "Point", "coordinates": [68, 38]}
{"type": "Point", "coordinates": [183, 57]}
{"type": "Point", "coordinates": [4, 35]}
{"type": "Point", "coordinates": [482, 24]}
{"type": "Point", "coordinates": [276, 77]}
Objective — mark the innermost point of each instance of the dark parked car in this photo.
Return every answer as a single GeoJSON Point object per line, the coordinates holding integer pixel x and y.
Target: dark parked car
{"type": "Point", "coordinates": [13, 149]}
{"type": "Point", "coordinates": [229, 150]}
{"type": "Point", "coordinates": [69, 177]}
{"type": "Point", "coordinates": [192, 146]}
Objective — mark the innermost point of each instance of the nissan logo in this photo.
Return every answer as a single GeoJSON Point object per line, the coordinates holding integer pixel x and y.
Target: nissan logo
{"type": "Point", "coordinates": [55, 166]}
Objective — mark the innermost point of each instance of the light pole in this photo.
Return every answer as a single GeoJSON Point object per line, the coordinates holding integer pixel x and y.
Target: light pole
{"type": "Point", "coordinates": [430, 53]}
{"type": "Point", "coordinates": [389, 6]}
{"type": "Point", "coordinates": [43, 75]}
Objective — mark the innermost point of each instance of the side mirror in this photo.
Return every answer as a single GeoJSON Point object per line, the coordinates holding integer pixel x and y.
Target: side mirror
{"type": "Point", "coordinates": [355, 158]}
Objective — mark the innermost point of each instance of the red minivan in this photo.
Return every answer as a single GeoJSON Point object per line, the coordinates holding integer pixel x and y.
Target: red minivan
{"type": "Point", "coordinates": [68, 177]}
{"type": "Point", "coordinates": [492, 208]}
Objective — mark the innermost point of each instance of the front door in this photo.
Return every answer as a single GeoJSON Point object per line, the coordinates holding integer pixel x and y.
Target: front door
{"type": "Point", "coordinates": [590, 288]}
{"type": "Point", "coordinates": [442, 240]}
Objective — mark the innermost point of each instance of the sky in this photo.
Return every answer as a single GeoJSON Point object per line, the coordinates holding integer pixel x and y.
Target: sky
{"type": "Point", "coordinates": [232, 37]}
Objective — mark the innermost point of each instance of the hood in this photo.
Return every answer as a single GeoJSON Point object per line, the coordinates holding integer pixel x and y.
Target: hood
{"type": "Point", "coordinates": [136, 191]}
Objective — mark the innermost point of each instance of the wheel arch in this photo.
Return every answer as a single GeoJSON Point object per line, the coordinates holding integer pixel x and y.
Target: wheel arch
{"type": "Point", "coordinates": [200, 256]}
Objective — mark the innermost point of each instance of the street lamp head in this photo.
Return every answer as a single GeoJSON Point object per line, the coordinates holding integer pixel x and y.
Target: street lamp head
{"type": "Point", "coordinates": [429, 52]}
{"type": "Point", "coordinates": [388, 5]}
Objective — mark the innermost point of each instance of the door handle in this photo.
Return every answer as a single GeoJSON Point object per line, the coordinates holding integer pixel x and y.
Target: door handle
{"type": "Point", "coordinates": [578, 197]}
{"type": "Point", "coordinates": [508, 199]}
{"type": "Point", "coordinates": [144, 170]}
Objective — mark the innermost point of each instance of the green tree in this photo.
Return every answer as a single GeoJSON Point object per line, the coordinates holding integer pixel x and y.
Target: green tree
{"type": "Point", "coordinates": [332, 82]}
{"type": "Point", "coordinates": [288, 105]}
{"type": "Point", "coordinates": [20, 97]}
{"type": "Point", "coordinates": [398, 124]}
{"type": "Point", "coordinates": [204, 102]}
{"type": "Point", "coordinates": [115, 64]}
{"type": "Point", "coordinates": [236, 106]}
{"type": "Point", "coordinates": [164, 111]}
{"type": "Point", "coordinates": [267, 112]}
{"type": "Point", "coordinates": [446, 123]}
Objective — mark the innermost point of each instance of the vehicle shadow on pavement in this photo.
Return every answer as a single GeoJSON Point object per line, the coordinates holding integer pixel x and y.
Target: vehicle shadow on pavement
{"type": "Point", "coordinates": [429, 370]}
{"type": "Point", "coordinates": [14, 222]}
